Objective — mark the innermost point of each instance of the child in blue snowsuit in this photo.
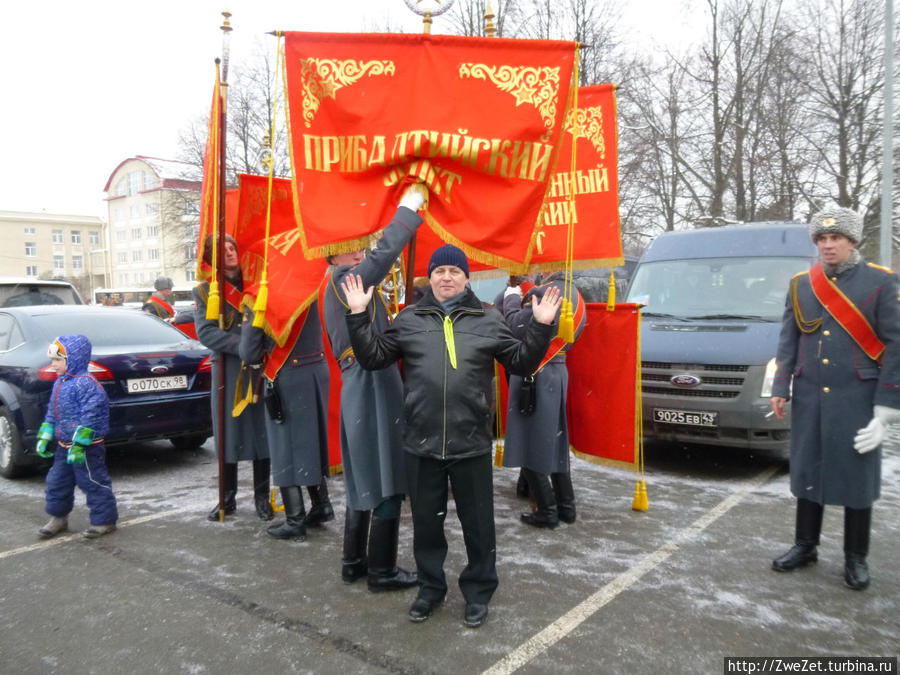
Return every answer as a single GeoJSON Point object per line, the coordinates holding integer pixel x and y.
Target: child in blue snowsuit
{"type": "Point", "coordinates": [77, 419]}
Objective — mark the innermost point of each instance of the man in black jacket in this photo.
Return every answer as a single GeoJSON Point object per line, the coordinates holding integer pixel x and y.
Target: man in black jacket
{"type": "Point", "coordinates": [448, 343]}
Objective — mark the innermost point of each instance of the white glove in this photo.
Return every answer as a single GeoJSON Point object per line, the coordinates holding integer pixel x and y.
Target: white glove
{"type": "Point", "coordinates": [512, 290]}
{"type": "Point", "coordinates": [413, 198]}
{"type": "Point", "coordinates": [871, 436]}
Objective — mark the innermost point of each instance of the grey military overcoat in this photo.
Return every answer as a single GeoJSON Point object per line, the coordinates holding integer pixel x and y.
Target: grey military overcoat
{"type": "Point", "coordinates": [371, 400]}
{"type": "Point", "coordinates": [298, 445]}
{"type": "Point", "coordinates": [835, 385]}
{"type": "Point", "coordinates": [245, 436]}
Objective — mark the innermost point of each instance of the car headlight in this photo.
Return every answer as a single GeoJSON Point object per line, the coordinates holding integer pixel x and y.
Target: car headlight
{"type": "Point", "coordinates": [768, 379]}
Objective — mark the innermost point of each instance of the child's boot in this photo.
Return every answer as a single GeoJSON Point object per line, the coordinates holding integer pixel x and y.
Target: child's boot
{"type": "Point", "coordinates": [54, 527]}
{"type": "Point", "coordinates": [95, 531]}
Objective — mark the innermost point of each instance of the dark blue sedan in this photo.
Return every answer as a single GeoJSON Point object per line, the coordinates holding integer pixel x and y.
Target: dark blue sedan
{"type": "Point", "coordinates": [157, 380]}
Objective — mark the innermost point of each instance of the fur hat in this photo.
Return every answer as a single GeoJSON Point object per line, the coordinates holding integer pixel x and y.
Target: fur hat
{"type": "Point", "coordinates": [839, 220]}
{"type": "Point", "coordinates": [162, 283]}
{"type": "Point", "coordinates": [448, 254]}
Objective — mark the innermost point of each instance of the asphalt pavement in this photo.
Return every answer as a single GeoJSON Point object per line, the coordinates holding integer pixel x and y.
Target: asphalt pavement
{"type": "Point", "coordinates": [673, 589]}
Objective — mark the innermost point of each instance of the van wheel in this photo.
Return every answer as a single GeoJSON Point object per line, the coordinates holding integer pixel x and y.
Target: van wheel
{"type": "Point", "coordinates": [10, 446]}
{"type": "Point", "coordinates": [189, 441]}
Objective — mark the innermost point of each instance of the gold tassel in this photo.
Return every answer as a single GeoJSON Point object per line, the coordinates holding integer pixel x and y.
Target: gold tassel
{"type": "Point", "coordinates": [212, 302]}
{"type": "Point", "coordinates": [640, 502]}
{"type": "Point", "coordinates": [611, 296]}
{"type": "Point", "coordinates": [498, 455]}
{"type": "Point", "coordinates": [259, 307]}
{"type": "Point", "coordinates": [567, 321]}
{"type": "Point", "coordinates": [275, 509]}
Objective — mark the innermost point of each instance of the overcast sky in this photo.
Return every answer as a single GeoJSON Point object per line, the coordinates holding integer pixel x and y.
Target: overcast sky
{"type": "Point", "coordinates": [87, 85]}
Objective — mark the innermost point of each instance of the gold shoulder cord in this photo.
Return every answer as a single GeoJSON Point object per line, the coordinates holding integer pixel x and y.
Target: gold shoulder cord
{"type": "Point", "coordinates": [805, 325]}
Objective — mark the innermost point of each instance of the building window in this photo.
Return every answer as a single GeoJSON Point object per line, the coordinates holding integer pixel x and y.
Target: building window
{"type": "Point", "coordinates": [136, 233]}
{"type": "Point", "coordinates": [153, 230]}
{"type": "Point", "coordinates": [30, 231]}
{"type": "Point", "coordinates": [121, 188]}
{"type": "Point", "coordinates": [151, 209]}
{"type": "Point", "coordinates": [120, 214]}
{"type": "Point", "coordinates": [153, 254]}
{"type": "Point", "coordinates": [94, 238]}
{"type": "Point", "coordinates": [30, 270]}
{"type": "Point", "coordinates": [122, 257]}
{"type": "Point", "coordinates": [30, 249]}
{"type": "Point", "coordinates": [137, 256]}
{"type": "Point", "coordinates": [149, 181]}
{"type": "Point", "coordinates": [76, 236]}
{"type": "Point", "coordinates": [59, 263]}
{"type": "Point", "coordinates": [121, 236]}
{"type": "Point", "coordinates": [135, 211]}
{"type": "Point", "coordinates": [57, 236]}
{"type": "Point", "coordinates": [134, 183]}
{"type": "Point", "coordinates": [77, 264]}
{"type": "Point", "coordinates": [123, 278]}
{"type": "Point", "coordinates": [190, 275]}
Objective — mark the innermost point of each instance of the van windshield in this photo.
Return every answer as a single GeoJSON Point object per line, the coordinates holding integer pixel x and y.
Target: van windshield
{"type": "Point", "coordinates": [753, 288]}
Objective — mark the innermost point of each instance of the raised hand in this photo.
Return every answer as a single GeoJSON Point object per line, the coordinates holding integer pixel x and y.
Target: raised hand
{"type": "Point", "coordinates": [357, 297]}
{"type": "Point", "coordinates": [544, 309]}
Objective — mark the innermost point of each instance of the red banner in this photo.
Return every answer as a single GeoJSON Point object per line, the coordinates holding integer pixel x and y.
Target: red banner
{"type": "Point", "coordinates": [597, 237]}
{"type": "Point", "coordinates": [479, 120]}
{"type": "Point", "coordinates": [603, 386]}
{"type": "Point", "coordinates": [209, 191]}
{"type": "Point", "coordinates": [293, 280]}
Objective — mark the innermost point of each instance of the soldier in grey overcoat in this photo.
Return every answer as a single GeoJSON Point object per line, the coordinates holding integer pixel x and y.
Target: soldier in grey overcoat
{"type": "Point", "coordinates": [371, 416]}
{"type": "Point", "coordinates": [842, 395]}
{"type": "Point", "coordinates": [538, 439]}
{"type": "Point", "coordinates": [244, 436]}
{"type": "Point", "coordinates": [296, 419]}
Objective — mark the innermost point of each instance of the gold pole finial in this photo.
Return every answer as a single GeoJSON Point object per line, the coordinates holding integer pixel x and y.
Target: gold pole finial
{"type": "Point", "coordinates": [226, 23]}
{"type": "Point", "coordinates": [426, 23]}
{"type": "Point", "coordinates": [226, 45]}
{"type": "Point", "coordinates": [489, 29]}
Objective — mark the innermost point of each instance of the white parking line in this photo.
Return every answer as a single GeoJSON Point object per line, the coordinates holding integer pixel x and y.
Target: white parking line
{"type": "Point", "coordinates": [61, 539]}
{"type": "Point", "coordinates": [564, 625]}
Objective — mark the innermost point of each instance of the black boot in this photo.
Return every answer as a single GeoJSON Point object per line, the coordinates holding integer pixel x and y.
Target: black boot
{"type": "Point", "coordinates": [294, 525]}
{"type": "Point", "coordinates": [803, 552]}
{"type": "Point", "coordinates": [565, 496]}
{"type": "Point", "coordinates": [261, 496]}
{"type": "Point", "coordinates": [522, 485]}
{"type": "Point", "coordinates": [384, 575]}
{"type": "Point", "coordinates": [857, 525]}
{"type": "Point", "coordinates": [541, 491]}
{"type": "Point", "coordinates": [354, 563]}
{"type": "Point", "coordinates": [229, 477]}
{"type": "Point", "coordinates": [320, 509]}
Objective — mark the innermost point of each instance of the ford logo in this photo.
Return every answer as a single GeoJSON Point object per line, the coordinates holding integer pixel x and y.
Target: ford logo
{"type": "Point", "coordinates": [159, 370]}
{"type": "Point", "coordinates": [685, 380]}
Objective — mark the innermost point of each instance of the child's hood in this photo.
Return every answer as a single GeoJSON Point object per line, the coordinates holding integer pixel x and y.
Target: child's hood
{"type": "Point", "coordinates": [78, 353]}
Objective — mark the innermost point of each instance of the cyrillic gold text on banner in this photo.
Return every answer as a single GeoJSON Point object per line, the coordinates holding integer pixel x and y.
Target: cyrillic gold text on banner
{"type": "Point", "coordinates": [598, 238]}
{"type": "Point", "coordinates": [479, 120]}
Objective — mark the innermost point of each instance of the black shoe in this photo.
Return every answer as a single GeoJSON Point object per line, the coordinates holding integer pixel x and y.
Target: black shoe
{"type": "Point", "coordinates": [395, 581]}
{"type": "Point", "coordinates": [351, 571]}
{"type": "Point", "coordinates": [538, 519]}
{"type": "Point", "coordinates": [263, 507]}
{"type": "Point", "coordinates": [421, 609]}
{"type": "Point", "coordinates": [798, 556]}
{"type": "Point", "coordinates": [476, 614]}
{"type": "Point", "coordinates": [230, 508]}
{"type": "Point", "coordinates": [319, 513]}
{"type": "Point", "coordinates": [288, 530]}
{"type": "Point", "coordinates": [856, 572]}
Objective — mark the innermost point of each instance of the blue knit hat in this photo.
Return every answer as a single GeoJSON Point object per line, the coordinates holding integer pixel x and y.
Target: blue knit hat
{"type": "Point", "coordinates": [448, 254]}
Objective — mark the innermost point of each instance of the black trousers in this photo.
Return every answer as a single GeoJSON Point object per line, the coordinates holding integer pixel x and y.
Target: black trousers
{"type": "Point", "coordinates": [472, 481]}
